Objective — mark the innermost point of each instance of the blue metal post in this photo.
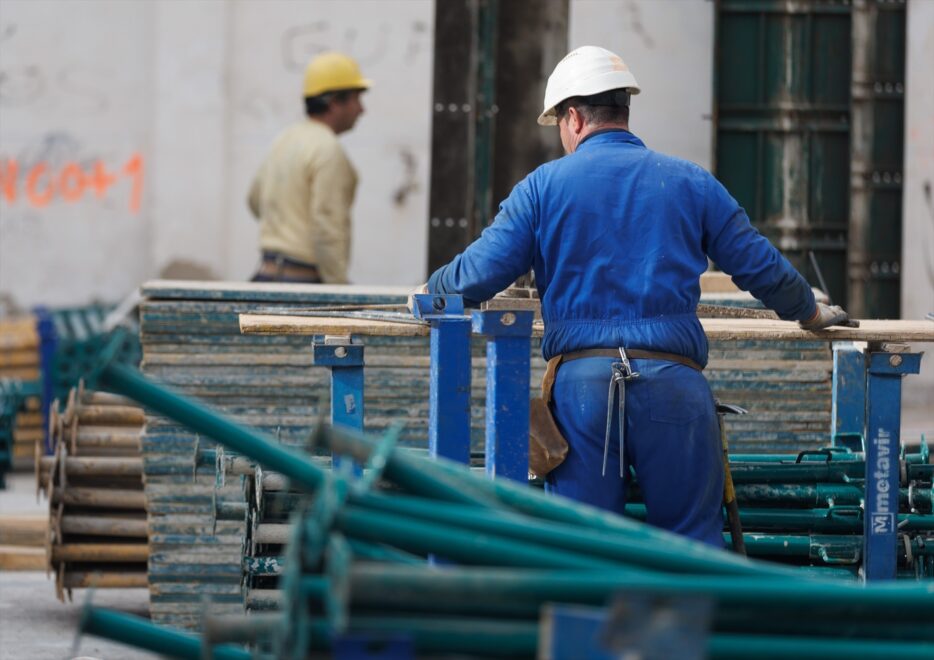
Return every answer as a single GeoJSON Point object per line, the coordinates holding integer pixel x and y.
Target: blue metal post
{"type": "Point", "coordinates": [345, 361]}
{"type": "Point", "coordinates": [449, 390]}
{"type": "Point", "coordinates": [508, 336]}
{"type": "Point", "coordinates": [882, 460]}
{"type": "Point", "coordinates": [848, 419]}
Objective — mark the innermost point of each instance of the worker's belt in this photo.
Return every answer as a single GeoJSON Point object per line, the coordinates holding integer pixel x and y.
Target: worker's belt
{"type": "Point", "coordinates": [632, 353]}
{"type": "Point", "coordinates": [280, 267]}
{"type": "Point", "coordinates": [547, 447]}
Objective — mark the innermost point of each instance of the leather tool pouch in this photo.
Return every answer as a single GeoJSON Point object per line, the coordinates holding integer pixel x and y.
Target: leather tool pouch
{"type": "Point", "coordinates": [547, 447]}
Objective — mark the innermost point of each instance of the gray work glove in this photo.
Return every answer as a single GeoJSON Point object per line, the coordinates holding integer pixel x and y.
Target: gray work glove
{"type": "Point", "coordinates": [410, 303]}
{"type": "Point", "coordinates": [826, 316]}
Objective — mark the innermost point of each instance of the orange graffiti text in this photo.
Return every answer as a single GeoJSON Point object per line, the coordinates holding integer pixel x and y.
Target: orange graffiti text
{"type": "Point", "coordinates": [41, 184]}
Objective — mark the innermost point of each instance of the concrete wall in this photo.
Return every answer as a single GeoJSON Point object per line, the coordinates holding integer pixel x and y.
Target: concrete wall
{"type": "Point", "coordinates": [190, 95]}
{"type": "Point", "coordinates": [918, 191]}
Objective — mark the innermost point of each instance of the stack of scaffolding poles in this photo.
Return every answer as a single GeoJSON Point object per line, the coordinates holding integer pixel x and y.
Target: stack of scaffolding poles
{"type": "Point", "coordinates": [457, 563]}
{"type": "Point", "coordinates": [807, 510]}
{"type": "Point", "coordinates": [93, 481]}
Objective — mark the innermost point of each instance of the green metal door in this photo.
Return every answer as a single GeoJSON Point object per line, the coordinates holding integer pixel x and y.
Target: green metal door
{"type": "Point", "coordinates": [809, 123]}
{"type": "Point", "coordinates": [782, 131]}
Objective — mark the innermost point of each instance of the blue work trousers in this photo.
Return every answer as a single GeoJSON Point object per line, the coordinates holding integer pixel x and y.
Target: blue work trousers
{"type": "Point", "coordinates": [672, 442]}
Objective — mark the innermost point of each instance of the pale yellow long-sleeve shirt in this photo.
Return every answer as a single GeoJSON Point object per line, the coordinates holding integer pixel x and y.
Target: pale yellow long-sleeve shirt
{"type": "Point", "coordinates": [302, 196]}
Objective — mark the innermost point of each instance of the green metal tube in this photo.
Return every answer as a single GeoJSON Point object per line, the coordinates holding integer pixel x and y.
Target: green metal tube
{"type": "Point", "coordinates": [615, 546]}
{"type": "Point", "coordinates": [492, 637]}
{"type": "Point", "coordinates": [821, 495]}
{"type": "Point", "coordinates": [258, 446]}
{"type": "Point", "coordinates": [761, 647]}
{"type": "Point", "coordinates": [483, 637]}
{"type": "Point", "coordinates": [398, 583]}
{"type": "Point", "coordinates": [453, 543]}
{"type": "Point", "coordinates": [826, 548]}
{"type": "Point", "coordinates": [833, 472]}
{"type": "Point", "coordinates": [380, 552]}
{"type": "Point", "coordinates": [822, 521]}
{"type": "Point", "coordinates": [135, 631]}
{"type": "Point", "coordinates": [775, 545]}
{"type": "Point", "coordinates": [540, 505]}
{"type": "Point", "coordinates": [838, 457]}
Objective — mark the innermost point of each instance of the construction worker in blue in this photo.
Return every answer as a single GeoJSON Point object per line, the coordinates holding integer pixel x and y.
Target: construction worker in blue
{"type": "Point", "coordinates": [618, 236]}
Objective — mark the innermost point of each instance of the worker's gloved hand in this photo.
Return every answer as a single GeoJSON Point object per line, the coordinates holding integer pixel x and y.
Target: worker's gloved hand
{"type": "Point", "coordinates": [826, 316]}
{"type": "Point", "coordinates": [410, 303]}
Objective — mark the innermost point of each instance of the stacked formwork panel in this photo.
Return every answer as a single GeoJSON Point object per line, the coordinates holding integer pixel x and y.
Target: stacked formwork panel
{"type": "Point", "coordinates": [20, 417]}
{"type": "Point", "coordinates": [191, 340]}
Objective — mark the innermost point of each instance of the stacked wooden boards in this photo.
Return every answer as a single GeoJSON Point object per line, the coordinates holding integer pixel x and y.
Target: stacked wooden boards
{"type": "Point", "coordinates": [19, 361]}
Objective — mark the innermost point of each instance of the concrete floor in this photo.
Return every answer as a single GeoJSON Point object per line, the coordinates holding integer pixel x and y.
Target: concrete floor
{"type": "Point", "coordinates": [33, 624]}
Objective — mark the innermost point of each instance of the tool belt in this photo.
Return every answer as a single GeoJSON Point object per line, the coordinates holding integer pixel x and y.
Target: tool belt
{"type": "Point", "coordinates": [547, 446]}
{"type": "Point", "coordinates": [277, 266]}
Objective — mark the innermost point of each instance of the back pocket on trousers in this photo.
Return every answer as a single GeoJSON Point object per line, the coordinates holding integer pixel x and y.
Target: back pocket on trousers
{"type": "Point", "coordinates": [677, 401]}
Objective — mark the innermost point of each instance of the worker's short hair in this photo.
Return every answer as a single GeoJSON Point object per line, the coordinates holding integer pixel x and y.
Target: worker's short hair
{"type": "Point", "coordinates": [610, 107]}
{"type": "Point", "coordinates": [318, 105]}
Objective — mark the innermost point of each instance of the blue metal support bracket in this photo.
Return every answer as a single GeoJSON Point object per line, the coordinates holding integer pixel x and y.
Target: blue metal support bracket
{"type": "Point", "coordinates": [449, 390]}
{"type": "Point", "coordinates": [345, 360]}
{"type": "Point", "coordinates": [848, 418]}
{"type": "Point", "coordinates": [508, 335]}
{"type": "Point", "coordinates": [880, 537]}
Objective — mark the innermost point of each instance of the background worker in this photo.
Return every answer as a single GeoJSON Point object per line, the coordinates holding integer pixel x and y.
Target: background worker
{"type": "Point", "coordinates": [304, 189]}
{"type": "Point", "coordinates": [618, 236]}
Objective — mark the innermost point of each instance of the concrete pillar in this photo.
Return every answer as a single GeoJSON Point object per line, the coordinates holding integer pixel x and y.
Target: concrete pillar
{"type": "Point", "coordinates": [918, 200]}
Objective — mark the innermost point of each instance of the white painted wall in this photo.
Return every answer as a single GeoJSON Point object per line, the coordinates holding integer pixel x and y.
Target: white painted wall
{"type": "Point", "coordinates": [668, 45]}
{"type": "Point", "coordinates": [73, 89]}
{"type": "Point", "coordinates": [199, 90]}
{"type": "Point", "coordinates": [918, 191]}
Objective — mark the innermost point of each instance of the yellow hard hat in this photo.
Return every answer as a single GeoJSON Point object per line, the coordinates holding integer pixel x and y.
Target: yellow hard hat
{"type": "Point", "coordinates": [332, 72]}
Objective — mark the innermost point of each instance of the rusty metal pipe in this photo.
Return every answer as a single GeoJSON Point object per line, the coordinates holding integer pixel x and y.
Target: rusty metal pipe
{"type": "Point", "coordinates": [108, 437]}
{"type": "Point", "coordinates": [100, 552]}
{"type": "Point", "coordinates": [105, 580]}
{"type": "Point", "coordinates": [110, 415]}
{"type": "Point", "coordinates": [95, 466]}
{"type": "Point", "coordinates": [101, 497]}
{"type": "Point", "coordinates": [104, 526]}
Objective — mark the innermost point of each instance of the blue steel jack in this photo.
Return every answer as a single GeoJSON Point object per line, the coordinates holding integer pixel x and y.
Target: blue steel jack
{"type": "Point", "coordinates": [449, 390]}
{"type": "Point", "coordinates": [508, 335]}
{"type": "Point", "coordinates": [345, 360]}
{"type": "Point", "coordinates": [883, 429]}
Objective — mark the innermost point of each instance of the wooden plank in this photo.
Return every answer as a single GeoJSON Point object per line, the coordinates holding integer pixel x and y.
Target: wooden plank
{"type": "Point", "coordinates": [869, 330]}
{"type": "Point", "coordinates": [304, 325]}
{"type": "Point", "coordinates": [24, 530]}
{"type": "Point", "coordinates": [270, 291]}
{"type": "Point", "coordinates": [16, 558]}
{"type": "Point", "coordinates": [716, 329]}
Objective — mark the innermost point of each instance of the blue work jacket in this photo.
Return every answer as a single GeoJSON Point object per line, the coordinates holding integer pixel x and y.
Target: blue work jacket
{"type": "Point", "coordinates": [618, 236]}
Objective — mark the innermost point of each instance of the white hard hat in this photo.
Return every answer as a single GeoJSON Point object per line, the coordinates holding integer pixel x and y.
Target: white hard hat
{"type": "Point", "coordinates": [585, 71]}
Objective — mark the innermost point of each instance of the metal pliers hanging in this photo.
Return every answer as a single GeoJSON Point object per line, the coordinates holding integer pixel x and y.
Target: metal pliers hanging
{"type": "Point", "coordinates": [622, 372]}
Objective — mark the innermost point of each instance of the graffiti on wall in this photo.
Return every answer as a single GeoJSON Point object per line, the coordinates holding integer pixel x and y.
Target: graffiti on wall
{"type": "Point", "coordinates": [369, 44]}
{"type": "Point", "coordinates": [56, 168]}
{"type": "Point", "coordinates": [40, 184]}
